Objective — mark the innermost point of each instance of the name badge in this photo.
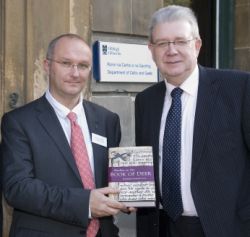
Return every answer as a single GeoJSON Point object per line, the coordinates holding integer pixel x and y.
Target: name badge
{"type": "Point", "coordinates": [98, 139]}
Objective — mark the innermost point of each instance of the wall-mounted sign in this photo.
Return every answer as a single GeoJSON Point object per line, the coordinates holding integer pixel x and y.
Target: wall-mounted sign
{"type": "Point", "coordinates": [120, 62]}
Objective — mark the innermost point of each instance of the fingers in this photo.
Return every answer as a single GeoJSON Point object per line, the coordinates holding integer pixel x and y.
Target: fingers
{"type": "Point", "coordinates": [128, 210]}
{"type": "Point", "coordinates": [101, 205]}
{"type": "Point", "coordinates": [108, 190]}
{"type": "Point", "coordinates": [132, 209]}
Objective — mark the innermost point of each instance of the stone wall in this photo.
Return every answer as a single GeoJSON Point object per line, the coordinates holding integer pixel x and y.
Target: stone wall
{"type": "Point", "coordinates": [242, 35]}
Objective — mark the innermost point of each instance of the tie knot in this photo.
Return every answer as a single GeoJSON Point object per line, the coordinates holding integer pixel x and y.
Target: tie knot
{"type": "Point", "coordinates": [176, 92]}
{"type": "Point", "coordinates": [72, 116]}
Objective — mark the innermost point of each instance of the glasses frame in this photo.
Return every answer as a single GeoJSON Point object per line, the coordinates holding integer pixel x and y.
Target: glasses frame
{"type": "Point", "coordinates": [181, 43]}
{"type": "Point", "coordinates": [70, 65]}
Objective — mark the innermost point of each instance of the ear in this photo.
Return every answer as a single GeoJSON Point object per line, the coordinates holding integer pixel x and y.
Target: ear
{"type": "Point", "coordinates": [46, 66]}
{"type": "Point", "coordinates": [150, 47]}
{"type": "Point", "coordinates": [198, 44]}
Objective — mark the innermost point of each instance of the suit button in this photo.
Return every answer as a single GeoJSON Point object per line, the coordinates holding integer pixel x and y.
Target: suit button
{"type": "Point", "coordinates": [82, 232]}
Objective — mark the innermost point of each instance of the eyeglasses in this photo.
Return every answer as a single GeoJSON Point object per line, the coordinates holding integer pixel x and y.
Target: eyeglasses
{"type": "Point", "coordinates": [69, 65]}
{"type": "Point", "coordinates": [176, 43]}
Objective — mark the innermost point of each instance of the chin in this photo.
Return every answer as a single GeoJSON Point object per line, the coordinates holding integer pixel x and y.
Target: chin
{"type": "Point", "coordinates": [73, 92]}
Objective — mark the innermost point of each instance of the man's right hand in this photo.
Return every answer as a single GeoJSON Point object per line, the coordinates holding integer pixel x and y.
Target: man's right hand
{"type": "Point", "coordinates": [101, 205]}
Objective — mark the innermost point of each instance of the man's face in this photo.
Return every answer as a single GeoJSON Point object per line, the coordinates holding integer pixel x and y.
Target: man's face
{"type": "Point", "coordinates": [66, 80]}
{"type": "Point", "coordinates": [175, 62]}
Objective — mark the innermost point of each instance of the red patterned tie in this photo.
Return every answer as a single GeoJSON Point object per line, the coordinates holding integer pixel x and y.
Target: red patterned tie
{"type": "Point", "coordinates": [80, 154]}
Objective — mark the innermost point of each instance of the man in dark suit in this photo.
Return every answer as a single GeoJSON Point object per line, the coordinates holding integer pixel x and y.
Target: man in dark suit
{"type": "Point", "coordinates": [202, 164]}
{"type": "Point", "coordinates": [41, 179]}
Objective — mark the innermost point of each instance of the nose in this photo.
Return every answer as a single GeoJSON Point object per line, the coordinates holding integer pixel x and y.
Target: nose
{"type": "Point", "coordinates": [75, 70]}
{"type": "Point", "coordinates": [171, 48]}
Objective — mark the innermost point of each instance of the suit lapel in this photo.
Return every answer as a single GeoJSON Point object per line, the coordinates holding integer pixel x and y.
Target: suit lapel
{"type": "Point", "coordinates": [50, 123]}
{"type": "Point", "coordinates": [157, 108]}
{"type": "Point", "coordinates": [207, 93]}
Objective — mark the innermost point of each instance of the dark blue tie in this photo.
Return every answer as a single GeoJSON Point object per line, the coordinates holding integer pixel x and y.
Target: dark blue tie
{"type": "Point", "coordinates": [171, 191]}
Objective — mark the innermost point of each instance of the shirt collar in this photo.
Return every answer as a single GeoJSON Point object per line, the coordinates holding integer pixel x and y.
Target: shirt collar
{"type": "Point", "coordinates": [60, 109]}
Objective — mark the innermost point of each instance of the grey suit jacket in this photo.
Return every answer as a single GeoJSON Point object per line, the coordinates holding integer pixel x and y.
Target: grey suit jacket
{"type": "Point", "coordinates": [220, 175]}
{"type": "Point", "coordinates": [40, 177]}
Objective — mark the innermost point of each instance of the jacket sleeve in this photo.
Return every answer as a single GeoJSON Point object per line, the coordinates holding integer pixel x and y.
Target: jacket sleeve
{"type": "Point", "coordinates": [246, 115]}
{"type": "Point", "coordinates": [114, 129]}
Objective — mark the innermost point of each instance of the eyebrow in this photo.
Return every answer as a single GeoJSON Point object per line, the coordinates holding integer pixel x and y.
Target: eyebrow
{"type": "Point", "coordinates": [177, 38]}
{"type": "Point", "coordinates": [70, 60]}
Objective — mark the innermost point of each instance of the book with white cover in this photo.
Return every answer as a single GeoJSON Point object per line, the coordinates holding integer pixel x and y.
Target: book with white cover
{"type": "Point", "coordinates": [131, 171]}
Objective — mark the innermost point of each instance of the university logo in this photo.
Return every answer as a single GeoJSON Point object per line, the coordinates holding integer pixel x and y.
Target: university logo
{"type": "Point", "coordinates": [104, 49]}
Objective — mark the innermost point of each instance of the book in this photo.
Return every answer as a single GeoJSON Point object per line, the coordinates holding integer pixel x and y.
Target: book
{"type": "Point", "coordinates": [131, 171]}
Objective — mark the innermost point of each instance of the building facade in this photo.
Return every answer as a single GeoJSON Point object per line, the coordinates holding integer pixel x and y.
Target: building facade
{"type": "Point", "coordinates": [27, 26]}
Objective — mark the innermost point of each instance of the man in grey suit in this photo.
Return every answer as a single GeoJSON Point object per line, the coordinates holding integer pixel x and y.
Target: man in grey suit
{"type": "Point", "coordinates": [41, 180]}
{"type": "Point", "coordinates": [208, 195]}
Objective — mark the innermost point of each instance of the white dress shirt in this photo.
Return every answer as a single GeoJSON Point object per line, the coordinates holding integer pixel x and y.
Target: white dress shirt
{"type": "Point", "coordinates": [188, 98]}
{"type": "Point", "coordinates": [62, 112]}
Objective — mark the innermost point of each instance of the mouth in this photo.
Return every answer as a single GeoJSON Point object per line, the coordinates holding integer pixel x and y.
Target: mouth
{"type": "Point", "coordinates": [73, 83]}
{"type": "Point", "coordinates": [172, 62]}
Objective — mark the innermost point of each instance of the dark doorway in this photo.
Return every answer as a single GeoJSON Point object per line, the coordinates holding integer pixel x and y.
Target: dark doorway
{"type": "Point", "coordinates": [205, 11]}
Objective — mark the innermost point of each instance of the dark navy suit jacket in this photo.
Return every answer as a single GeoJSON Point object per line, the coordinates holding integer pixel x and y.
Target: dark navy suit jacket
{"type": "Point", "coordinates": [40, 178]}
{"type": "Point", "coordinates": [220, 175]}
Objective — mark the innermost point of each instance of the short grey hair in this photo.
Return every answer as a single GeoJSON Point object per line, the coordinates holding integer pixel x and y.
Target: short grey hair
{"type": "Point", "coordinates": [52, 44]}
{"type": "Point", "coordinates": [174, 13]}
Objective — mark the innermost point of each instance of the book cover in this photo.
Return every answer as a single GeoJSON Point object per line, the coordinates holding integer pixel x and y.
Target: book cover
{"type": "Point", "coordinates": [131, 171]}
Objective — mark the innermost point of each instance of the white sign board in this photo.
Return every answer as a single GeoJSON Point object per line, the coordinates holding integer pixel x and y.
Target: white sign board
{"type": "Point", "coordinates": [120, 62]}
